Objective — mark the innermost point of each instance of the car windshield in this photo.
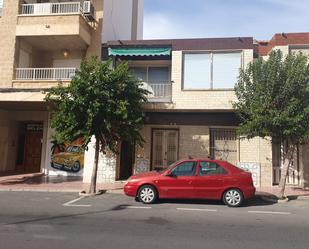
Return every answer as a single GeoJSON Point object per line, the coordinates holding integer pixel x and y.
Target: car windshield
{"type": "Point", "coordinates": [73, 149]}
{"type": "Point", "coordinates": [169, 167]}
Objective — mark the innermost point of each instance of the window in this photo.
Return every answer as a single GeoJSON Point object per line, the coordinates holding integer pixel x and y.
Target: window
{"type": "Point", "coordinates": [211, 168]}
{"type": "Point", "coordinates": [1, 7]}
{"type": "Point", "coordinates": [210, 70]}
{"type": "Point", "coordinates": [223, 144]}
{"type": "Point", "coordinates": [197, 71]}
{"type": "Point", "coordinates": [185, 169]}
{"type": "Point", "coordinates": [151, 74]}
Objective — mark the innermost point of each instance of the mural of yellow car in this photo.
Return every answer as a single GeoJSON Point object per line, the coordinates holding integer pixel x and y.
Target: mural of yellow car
{"type": "Point", "coordinates": [71, 159]}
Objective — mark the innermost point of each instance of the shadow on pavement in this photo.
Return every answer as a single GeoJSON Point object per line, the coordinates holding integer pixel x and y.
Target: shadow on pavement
{"type": "Point", "coordinates": [256, 201]}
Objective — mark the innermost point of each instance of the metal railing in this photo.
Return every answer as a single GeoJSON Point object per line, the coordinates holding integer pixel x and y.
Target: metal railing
{"type": "Point", "coordinates": [159, 90]}
{"type": "Point", "coordinates": [51, 8]}
{"type": "Point", "coordinates": [35, 74]}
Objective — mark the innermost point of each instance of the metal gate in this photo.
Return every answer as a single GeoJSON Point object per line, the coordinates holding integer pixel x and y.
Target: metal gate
{"type": "Point", "coordinates": [223, 144]}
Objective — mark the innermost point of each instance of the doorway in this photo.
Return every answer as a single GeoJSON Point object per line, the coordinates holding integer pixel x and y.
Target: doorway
{"type": "Point", "coordinates": [164, 148]}
{"type": "Point", "coordinates": [29, 147]}
{"type": "Point", "coordinates": [127, 154]}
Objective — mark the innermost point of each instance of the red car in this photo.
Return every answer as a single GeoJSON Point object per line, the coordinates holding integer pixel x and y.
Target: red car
{"type": "Point", "coordinates": [193, 179]}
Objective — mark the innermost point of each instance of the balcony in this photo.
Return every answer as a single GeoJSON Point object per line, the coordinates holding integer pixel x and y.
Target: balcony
{"type": "Point", "coordinates": [51, 8]}
{"type": "Point", "coordinates": [44, 74]}
{"type": "Point", "coordinates": [56, 24]}
{"type": "Point", "coordinates": [159, 91]}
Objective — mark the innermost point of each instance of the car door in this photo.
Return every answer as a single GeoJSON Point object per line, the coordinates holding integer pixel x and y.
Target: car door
{"type": "Point", "coordinates": [211, 180]}
{"type": "Point", "coordinates": [179, 181]}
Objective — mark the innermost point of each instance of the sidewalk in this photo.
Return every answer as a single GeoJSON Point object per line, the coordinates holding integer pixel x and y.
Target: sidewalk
{"type": "Point", "coordinates": [40, 182]}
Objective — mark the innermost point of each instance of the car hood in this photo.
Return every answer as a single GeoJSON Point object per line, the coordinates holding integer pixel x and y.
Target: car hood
{"type": "Point", "coordinates": [144, 175]}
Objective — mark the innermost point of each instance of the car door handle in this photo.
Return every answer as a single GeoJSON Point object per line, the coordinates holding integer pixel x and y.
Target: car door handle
{"type": "Point", "coordinates": [190, 182]}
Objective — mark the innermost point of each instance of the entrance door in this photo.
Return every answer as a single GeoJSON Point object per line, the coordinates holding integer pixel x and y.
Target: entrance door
{"type": "Point", "coordinates": [126, 160]}
{"type": "Point", "coordinates": [164, 148]}
{"type": "Point", "coordinates": [33, 149]}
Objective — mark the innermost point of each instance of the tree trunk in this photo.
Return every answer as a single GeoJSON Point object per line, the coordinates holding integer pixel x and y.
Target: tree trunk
{"type": "Point", "coordinates": [93, 183]}
{"type": "Point", "coordinates": [288, 155]}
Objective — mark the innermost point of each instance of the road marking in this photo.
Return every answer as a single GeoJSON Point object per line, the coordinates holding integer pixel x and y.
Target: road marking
{"type": "Point", "coordinates": [70, 203]}
{"type": "Point", "coordinates": [268, 212]}
{"type": "Point", "coordinates": [197, 209]}
{"type": "Point", "coordinates": [54, 237]}
{"type": "Point", "coordinates": [136, 207]}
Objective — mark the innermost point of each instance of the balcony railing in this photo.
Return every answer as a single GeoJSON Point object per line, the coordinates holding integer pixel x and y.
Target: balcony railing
{"type": "Point", "coordinates": [159, 91]}
{"type": "Point", "coordinates": [51, 8]}
{"type": "Point", "coordinates": [50, 74]}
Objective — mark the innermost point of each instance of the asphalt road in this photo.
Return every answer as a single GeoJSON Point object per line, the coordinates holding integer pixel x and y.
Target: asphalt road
{"type": "Point", "coordinates": [39, 220]}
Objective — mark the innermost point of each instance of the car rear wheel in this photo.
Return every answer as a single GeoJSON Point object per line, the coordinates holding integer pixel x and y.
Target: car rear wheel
{"type": "Point", "coordinates": [233, 198]}
{"type": "Point", "coordinates": [147, 194]}
{"type": "Point", "coordinates": [76, 166]}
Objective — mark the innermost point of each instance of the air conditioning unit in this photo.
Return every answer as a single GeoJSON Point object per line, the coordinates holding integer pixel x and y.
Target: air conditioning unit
{"type": "Point", "coordinates": [88, 10]}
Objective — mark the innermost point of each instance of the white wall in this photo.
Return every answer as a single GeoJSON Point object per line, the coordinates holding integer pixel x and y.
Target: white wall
{"type": "Point", "coordinates": [117, 20]}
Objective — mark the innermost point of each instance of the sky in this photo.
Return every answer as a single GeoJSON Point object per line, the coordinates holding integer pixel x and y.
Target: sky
{"type": "Point", "coordinates": [224, 18]}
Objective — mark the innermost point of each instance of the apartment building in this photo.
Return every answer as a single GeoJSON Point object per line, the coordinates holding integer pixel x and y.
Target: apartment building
{"type": "Point", "coordinates": [190, 111]}
{"type": "Point", "coordinates": [42, 45]}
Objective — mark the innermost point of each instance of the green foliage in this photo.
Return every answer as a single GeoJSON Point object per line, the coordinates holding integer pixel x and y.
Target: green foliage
{"type": "Point", "coordinates": [273, 98]}
{"type": "Point", "coordinates": [99, 101]}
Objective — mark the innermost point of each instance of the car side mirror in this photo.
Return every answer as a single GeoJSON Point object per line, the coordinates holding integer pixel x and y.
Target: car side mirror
{"type": "Point", "coordinates": [170, 174]}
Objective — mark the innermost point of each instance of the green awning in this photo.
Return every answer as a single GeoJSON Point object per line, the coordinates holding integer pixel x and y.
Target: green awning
{"type": "Point", "coordinates": [139, 51]}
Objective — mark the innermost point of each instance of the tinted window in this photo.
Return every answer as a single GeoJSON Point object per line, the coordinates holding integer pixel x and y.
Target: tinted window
{"type": "Point", "coordinates": [185, 169]}
{"type": "Point", "coordinates": [211, 168]}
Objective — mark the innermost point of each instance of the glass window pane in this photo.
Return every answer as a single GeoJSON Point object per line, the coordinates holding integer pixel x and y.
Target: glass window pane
{"type": "Point", "coordinates": [211, 168]}
{"type": "Point", "coordinates": [140, 73]}
{"type": "Point", "coordinates": [226, 69]}
{"type": "Point", "coordinates": [196, 71]}
{"type": "Point", "coordinates": [184, 169]}
{"type": "Point", "coordinates": [158, 74]}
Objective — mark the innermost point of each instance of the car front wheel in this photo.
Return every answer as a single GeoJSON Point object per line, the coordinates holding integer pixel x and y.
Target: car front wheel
{"type": "Point", "coordinates": [147, 194]}
{"type": "Point", "coordinates": [76, 167]}
{"type": "Point", "coordinates": [233, 198]}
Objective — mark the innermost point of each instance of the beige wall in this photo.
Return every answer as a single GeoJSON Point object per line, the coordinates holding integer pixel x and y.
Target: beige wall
{"type": "Point", "coordinates": [195, 99]}
{"type": "Point", "coordinates": [194, 141]}
{"type": "Point", "coordinates": [258, 150]}
{"type": "Point", "coordinates": [118, 15]}
{"type": "Point", "coordinates": [7, 42]}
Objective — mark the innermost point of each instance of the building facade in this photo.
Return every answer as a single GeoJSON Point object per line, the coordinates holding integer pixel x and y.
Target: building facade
{"type": "Point", "coordinates": [42, 45]}
{"type": "Point", "coordinates": [190, 111]}
{"type": "Point", "coordinates": [191, 81]}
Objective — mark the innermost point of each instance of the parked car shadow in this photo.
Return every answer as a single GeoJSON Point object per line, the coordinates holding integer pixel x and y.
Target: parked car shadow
{"type": "Point", "coordinates": [256, 201]}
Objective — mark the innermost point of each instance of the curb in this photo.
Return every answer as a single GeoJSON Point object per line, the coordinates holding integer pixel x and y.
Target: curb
{"type": "Point", "coordinates": [99, 192]}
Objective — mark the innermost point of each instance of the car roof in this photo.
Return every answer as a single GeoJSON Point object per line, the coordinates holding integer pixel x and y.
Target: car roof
{"type": "Point", "coordinates": [232, 168]}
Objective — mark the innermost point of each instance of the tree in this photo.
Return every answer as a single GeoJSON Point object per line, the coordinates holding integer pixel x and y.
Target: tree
{"type": "Point", "coordinates": [100, 101]}
{"type": "Point", "coordinates": [273, 101]}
